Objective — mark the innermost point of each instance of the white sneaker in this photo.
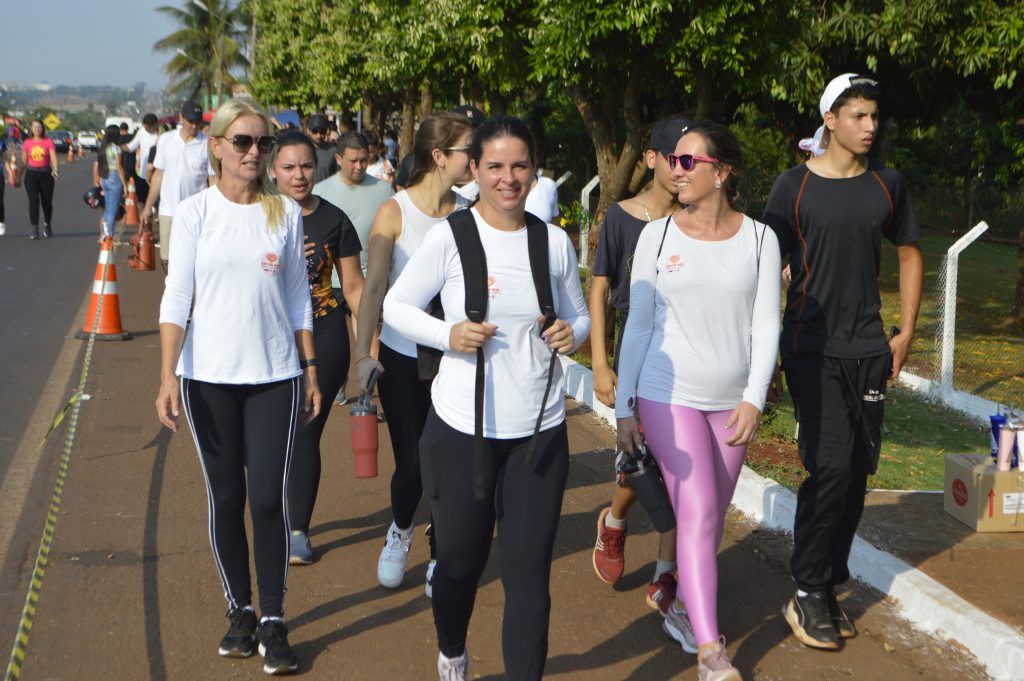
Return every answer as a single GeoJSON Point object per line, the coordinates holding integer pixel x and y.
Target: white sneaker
{"type": "Point", "coordinates": [3, 229]}
{"type": "Point", "coordinates": [677, 625]}
{"type": "Point", "coordinates": [430, 578]}
{"type": "Point", "coordinates": [453, 669]}
{"type": "Point", "coordinates": [391, 565]}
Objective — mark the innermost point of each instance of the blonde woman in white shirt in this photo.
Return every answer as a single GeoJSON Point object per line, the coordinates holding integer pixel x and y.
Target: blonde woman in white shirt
{"type": "Point", "coordinates": [697, 358]}
{"type": "Point", "coordinates": [246, 365]}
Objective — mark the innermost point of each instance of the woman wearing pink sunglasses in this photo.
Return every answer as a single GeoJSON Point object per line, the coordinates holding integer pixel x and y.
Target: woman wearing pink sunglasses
{"type": "Point", "coordinates": [697, 359]}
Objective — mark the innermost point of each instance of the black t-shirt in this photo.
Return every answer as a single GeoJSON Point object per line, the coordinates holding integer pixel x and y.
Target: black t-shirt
{"type": "Point", "coordinates": [326, 163]}
{"type": "Point", "coordinates": [831, 230]}
{"type": "Point", "coordinates": [334, 237]}
{"type": "Point", "coordinates": [615, 247]}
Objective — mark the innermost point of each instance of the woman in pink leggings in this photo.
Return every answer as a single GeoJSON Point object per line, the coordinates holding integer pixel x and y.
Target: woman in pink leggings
{"type": "Point", "coordinates": [697, 358]}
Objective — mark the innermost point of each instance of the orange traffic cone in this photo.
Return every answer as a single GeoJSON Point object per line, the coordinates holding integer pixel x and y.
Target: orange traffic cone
{"type": "Point", "coordinates": [81, 151]}
{"type": "Point", "coordinates": [71, 153]}
{"type": "Point", "coordinates": [131, 205]}
{"type": "Point", "coordinates": [109, 327]}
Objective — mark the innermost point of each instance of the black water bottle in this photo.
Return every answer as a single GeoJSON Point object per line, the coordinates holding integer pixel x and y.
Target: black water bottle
{"type": "Point", "coordinates": [640, 471]}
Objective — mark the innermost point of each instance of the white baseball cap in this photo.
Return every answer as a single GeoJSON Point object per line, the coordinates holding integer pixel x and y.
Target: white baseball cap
{"type": "Point", "coordinates": [835, 88]}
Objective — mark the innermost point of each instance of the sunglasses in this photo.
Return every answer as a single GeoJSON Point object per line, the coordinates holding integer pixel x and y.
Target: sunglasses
{"type": "Point", "coordinates": [687, 161]}
{"type": "Point", "coordinates": [242, 143]}
{"type": "Point", "coordinates": [464, 148]}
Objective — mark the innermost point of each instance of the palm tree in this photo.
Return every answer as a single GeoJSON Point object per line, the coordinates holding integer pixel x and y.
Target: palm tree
{"type": "Point", "coordinates": [206, 46]}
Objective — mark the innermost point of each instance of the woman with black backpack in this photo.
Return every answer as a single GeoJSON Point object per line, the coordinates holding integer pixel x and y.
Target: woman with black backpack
{"type": "Point", "coordinates": [510, 290]}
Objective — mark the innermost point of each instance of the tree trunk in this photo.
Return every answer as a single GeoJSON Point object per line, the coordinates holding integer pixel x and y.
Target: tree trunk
{"type": "Point", "coordinates": [498, 103]}
{"type": "Point", "coordinates": [426, 102]}
{"type": "Point", "coordinates": [369, 111]}
{"type": "Point", "coordinates": [405, 134]}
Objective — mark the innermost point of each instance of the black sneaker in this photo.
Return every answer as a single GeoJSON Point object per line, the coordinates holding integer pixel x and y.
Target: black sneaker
{"type": "Point", "coordinates": [47, 232]}
{"type": "Point", "coordinates": [842, 624]}
{"type": "Point", "coordinates": [240, 641]}
{"type": "Point", "coordinates": [808, 617]}
{"type": "Point", "coordinates": [278, 657]}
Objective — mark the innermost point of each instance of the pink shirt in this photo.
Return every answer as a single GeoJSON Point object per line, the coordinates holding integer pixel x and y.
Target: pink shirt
{"type": "Point", "coordinates": [38, 152]}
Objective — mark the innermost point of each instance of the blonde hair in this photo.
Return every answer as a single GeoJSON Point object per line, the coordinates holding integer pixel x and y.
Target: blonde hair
{"type": "Point", "coordinates": [269, 196]}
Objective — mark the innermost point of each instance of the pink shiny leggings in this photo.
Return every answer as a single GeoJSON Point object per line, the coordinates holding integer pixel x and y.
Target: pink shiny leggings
{"type": "Point", "coordinates": [700, 472]}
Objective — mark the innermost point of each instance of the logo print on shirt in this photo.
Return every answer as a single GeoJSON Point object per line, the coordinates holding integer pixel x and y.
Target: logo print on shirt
{"type": "Point", "coordinates": [271, 264]}
{"type": "Point", "coordinates": [493, 290]}
{"type": "Point", "coordinates": [674, 264]}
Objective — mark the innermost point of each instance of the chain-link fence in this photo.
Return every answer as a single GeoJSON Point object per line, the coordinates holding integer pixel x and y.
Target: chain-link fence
{"type": "Point", "coordinates": [979, 355]}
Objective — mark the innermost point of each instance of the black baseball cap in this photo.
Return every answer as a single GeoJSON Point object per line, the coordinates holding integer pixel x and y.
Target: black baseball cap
{"type": "Point", "coordinates": [316, 122]}
{"type": "Point", "coordinates": [666, 133]}
{"type": "Point", "coordinates": [149, 119]}
{"type": "Point", "coordinates": [191, 112]}
{"type": "Point", "coordinates": [475, 115]}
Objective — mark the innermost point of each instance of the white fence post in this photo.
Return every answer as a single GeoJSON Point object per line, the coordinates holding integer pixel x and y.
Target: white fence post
{"type": "Point", "coordinates": [585, 229]}
{"type": "Point", "coordinates": [949, 305]}
{"type": "Point", "coordinates": [565, 176]}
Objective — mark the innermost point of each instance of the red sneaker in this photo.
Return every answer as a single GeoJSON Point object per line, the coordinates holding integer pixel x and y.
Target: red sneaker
{"type": "Point", "coordinates": [662, 592]}
{"type": "Point", "coordinates": [609, 551]}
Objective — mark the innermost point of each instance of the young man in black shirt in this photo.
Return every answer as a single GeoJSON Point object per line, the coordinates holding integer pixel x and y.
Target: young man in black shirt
{"type": "Point", "coordinates": [830, 215]}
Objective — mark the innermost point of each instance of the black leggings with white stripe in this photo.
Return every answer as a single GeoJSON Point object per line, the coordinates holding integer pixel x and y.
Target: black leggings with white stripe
{"type": "Point", "coordinates": [244, 435]}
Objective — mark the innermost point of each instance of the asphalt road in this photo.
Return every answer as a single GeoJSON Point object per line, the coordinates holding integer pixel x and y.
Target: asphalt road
{"type": "Point", "coordinates": [43, 284]}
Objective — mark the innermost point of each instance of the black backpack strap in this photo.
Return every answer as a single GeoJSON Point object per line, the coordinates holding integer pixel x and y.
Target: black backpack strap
{"type": "Point", "coordinates": [474, 274]}
{"type": "Point", "coordinates": [661, 243]}
{"type": "Point", "coordinates": [540, 269]}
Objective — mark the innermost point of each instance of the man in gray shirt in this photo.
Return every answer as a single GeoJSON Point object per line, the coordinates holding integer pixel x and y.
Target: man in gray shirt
{"type": "Point", "coordinates": [352, 190]}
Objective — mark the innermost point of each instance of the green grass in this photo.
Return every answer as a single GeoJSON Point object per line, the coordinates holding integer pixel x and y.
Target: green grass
{"type": "Point", "coordinates": [919, 436]}
{"type": "Point", "coordinates": [989, 360]}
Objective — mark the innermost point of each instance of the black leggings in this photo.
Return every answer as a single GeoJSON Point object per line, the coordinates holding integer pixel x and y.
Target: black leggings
{"type": "Point", "coordinates": [330, 339]}
{"type": "Point", "coordinates": [39, 186]}
{"type": "Point", "coordinates": [526, 500]}
{"type": "Point", "coordinates": [2, 183]}
{"type": "Point", "coordinates": [244, 434]}
{"type": "Point", "coordinates": [406, 402]}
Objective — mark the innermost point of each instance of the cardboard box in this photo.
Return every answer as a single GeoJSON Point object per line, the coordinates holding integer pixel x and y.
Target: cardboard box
{"type": "Point", "coordinates": [979, 496]}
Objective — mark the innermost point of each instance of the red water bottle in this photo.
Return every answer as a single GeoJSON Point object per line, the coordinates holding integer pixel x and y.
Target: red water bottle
{"type": "Point", "coordinates": [363, 421]}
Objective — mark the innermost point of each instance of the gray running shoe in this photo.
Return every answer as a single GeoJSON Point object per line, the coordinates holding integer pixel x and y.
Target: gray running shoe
{"type": "Point", "coordinates": [299, 550]}
{"type": "Point", "coordinates": [677, 625]}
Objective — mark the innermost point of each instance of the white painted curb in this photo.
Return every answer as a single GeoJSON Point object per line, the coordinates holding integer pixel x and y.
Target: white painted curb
{"type": "Point", "coordinates": [925, 603]}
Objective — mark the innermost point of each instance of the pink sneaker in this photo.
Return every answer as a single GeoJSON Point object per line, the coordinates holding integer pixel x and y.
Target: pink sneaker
{"type": "Point", "coordinates": [715, 665]}
{"type": "Point", "coordinates": [609, 551]}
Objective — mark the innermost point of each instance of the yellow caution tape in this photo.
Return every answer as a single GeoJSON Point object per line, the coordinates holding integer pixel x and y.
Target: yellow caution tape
{"type": "Point", "coordinates": [28, 612]}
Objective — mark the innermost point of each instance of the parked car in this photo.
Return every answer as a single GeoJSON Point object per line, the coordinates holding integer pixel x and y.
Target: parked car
{"type": "Point", "coordinates": [62, 139]}
{"type": "Point", "coordinates": [88, 140]}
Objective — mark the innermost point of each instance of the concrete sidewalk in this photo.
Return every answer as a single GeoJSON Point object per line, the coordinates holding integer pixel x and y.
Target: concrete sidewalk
{"type": "Point", "coordinates": [132, 592]}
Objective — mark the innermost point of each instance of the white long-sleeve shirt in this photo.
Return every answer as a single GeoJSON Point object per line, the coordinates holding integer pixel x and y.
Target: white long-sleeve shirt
{"type": "Point", "coordinates": [516, 357]}
{"type": "Point", "coordinates": [703, 327]}
{"type": "Point", "coordinates": [249, 285]}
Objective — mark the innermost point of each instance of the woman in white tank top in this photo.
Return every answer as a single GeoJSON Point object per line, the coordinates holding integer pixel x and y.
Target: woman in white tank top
{"type": "Point", "coordinates": [441, 160]}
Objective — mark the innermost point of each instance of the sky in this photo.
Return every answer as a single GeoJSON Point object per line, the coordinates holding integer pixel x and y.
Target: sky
{"type": "Point", "coordinates": [75, 52]}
